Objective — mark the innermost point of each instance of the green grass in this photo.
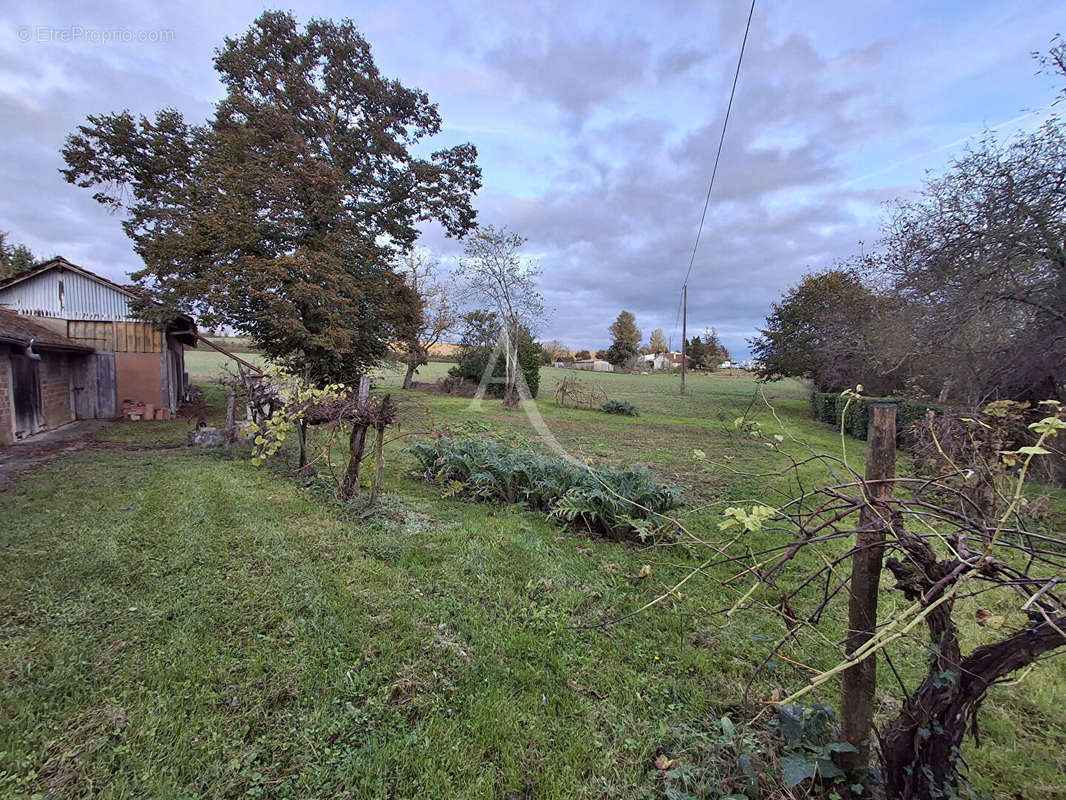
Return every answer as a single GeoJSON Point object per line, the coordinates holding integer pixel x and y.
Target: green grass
{"type": "Point", "coordinates": [204, 364]}
{"type": "Point", "coordinates": [178, 623]}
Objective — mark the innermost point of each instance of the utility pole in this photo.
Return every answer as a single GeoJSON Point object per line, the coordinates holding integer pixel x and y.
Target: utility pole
{"type": "Point", "coordinates": [684, 334]}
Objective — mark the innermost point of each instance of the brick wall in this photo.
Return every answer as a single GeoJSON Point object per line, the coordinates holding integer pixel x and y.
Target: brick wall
{"type": "Point", "coordinates": [7, 407]}
{"type": "Point", "coordinates": [55, 389]}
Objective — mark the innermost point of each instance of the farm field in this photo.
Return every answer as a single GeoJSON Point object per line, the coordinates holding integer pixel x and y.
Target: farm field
{"type": "Point", "coordinates": [179, 623]}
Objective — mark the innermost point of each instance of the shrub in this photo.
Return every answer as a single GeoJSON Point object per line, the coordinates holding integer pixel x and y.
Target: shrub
{"type": "Point", "coordinates": [620, 407]}
{"type": "Point", "coordinates": [471, 365]}
{"type": "Point", "coordinates": [828, 407]}
{"type": "Point", "coordinates": [619, 503]}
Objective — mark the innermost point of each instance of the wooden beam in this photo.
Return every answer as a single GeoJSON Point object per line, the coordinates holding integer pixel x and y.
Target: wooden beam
{"type": "Point", "coordinates": [227, 353]}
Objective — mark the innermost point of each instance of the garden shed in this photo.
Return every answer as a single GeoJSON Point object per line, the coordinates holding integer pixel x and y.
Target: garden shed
{"type": "Point", "coordinates": [111, 356]}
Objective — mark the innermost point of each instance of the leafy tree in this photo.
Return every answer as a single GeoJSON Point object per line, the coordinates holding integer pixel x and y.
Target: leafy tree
{"type": "Point", "coordinates": [436, 313]}
{"type": "Point", "coordinates": [582, 355]}
{"type": "Point", "coordinates": [496, 274]}
{"type": "Point", "coordinates": [14, 258]}
{"type": "Point", "coordinates": [829, 329]}
{"type": "Point", "coordinates": [697, 352]}
{"type": "Point", "coordinates": [626, 340]}
{"type": "Point", "coordinates": [281, 214]}
{"type": "Point", "coordinates": [980, 259]}
{"type": "Point", "coordinates": [621, 353]}
{"type": "Point", "coordinates": [478, 346]}
{"type": "Point", "coordinates": [657, 342]}
{"type": "Point", "coordinates": [624, 329]}
{"type": "Point", "coordinates": [714, 351]}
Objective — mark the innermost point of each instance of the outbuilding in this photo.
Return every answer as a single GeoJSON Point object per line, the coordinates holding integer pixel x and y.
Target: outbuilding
{"type": "Point", "coordinates": [67, 326]}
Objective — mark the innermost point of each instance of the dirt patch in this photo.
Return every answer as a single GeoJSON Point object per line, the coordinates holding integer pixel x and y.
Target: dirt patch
{"type": "Point", "coordinates": [26, 456]}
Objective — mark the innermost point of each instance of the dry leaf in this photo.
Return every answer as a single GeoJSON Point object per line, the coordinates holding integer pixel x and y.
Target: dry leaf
{"type": "Point", "coordinates": [662, 762]}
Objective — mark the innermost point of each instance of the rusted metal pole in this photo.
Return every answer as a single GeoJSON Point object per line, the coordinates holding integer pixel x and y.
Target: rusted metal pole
{"type": "Point", "coordinates": [859, 682]}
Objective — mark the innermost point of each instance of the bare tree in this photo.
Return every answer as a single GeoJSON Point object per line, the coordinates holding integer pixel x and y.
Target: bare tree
{"type": "Point", "coordinates": [438, 314]}
{"type": "Point", "coordinates": [496, 274]}
{"type": "Point", "coordinates": [657, 343]}
{"type": "Point", "coordinates": [555, 350]}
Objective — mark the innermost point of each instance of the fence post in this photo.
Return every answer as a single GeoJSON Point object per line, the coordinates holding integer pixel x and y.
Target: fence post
{"type": "Point", "coordinates": [859, 682]}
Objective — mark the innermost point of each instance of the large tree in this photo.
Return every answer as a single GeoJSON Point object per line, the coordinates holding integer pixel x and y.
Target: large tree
{"type": "Point", "coordinates": [281, 215]}
{"type": "Point", "coordinates": [624, 329]}
{"type": "Point", "coordinates": [980, 256]}
{"type": "Point", "coordinates": [832, 329]}
{"type": "Point", "coordinates": [436, 312]}
{"type": "Point", "coordinates": [625, 344]}
{"type": "Point", "coordinates": [496, 274]}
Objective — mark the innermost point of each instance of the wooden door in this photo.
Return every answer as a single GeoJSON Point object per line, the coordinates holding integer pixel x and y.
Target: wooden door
{"type": "Point", "coordinates": [83, 381]}
{"type": "Point", "coordinates": [26, 384]}
{"type": "Point", "coordinates": [106, 385]}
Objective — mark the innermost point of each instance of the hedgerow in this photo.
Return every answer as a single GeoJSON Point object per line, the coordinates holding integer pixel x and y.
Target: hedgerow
{"type": "Point", "coordinates": [829, 407]}
{"type": "Point", "coordinates": [618, 503]}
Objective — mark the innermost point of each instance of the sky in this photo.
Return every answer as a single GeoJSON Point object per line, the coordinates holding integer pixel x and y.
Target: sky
{"type": "Point", "coordinates": [596, 125]}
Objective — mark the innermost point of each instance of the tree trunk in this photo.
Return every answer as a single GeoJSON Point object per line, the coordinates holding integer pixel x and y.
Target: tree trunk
{"type": "Point", "coordinates": [356, 446]}
{"type": "Point", "coordinates": [379, 444]}
{"type": "Point", "coordinates": [858, 683]}
{"type": "Point", "coordinates": [409, 377]}
{"type": "Point", "coordinates": [921, 748]}
{"type": "Point", "coordinates": [510, 392]}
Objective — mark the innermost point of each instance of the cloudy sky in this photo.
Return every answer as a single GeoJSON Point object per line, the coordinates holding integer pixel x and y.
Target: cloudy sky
{"type": "Point", "coordinates": [596, 125]}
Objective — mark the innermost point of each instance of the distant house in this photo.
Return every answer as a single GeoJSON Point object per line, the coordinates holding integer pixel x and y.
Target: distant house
{"type": "Point", "coordinates": [726, 365]}
{"type": "Point", "coordinates": [594, 364]}
{"type": "Point", "coordinates": [71, 348]}
{"type": "Point", "coordinates": [666, 361]}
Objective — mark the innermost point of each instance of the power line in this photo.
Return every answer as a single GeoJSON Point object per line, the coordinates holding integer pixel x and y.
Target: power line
{"type": "Point", "coordinates": [721, 141]}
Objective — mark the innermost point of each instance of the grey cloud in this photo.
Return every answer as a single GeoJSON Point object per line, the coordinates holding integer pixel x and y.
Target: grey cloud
{"type": "Point", "coordinates": [575, 73]}
{"type": "Point", "coordinates": [678, 62]}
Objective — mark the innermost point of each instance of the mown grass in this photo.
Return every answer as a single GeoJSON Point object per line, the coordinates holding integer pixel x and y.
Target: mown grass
{"type": "Point", "coordinates": [177, 623]}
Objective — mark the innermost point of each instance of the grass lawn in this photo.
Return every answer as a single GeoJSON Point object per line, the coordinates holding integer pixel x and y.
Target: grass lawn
{"type": "Point", "coordinates": [204, 364]}
{"type": "Point", "coordinates": [177, 623]}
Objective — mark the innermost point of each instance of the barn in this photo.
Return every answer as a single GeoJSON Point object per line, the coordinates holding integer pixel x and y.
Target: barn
{"type": "Point", "coordinates": [72, 348]}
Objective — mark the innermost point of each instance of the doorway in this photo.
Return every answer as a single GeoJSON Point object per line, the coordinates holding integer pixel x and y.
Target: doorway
{"type": "Point", "coordinates": [26, 386]}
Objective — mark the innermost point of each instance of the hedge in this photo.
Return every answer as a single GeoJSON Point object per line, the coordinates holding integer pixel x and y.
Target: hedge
{"type": "Point", "coordinates": [828, 407]}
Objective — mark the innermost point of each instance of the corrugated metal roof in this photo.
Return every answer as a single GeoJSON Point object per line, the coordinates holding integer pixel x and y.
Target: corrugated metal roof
{"type": "Point", "coordinates": [64, 291]}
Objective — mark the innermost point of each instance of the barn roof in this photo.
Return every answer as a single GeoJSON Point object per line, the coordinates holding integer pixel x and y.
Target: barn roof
{"type": "Point", "coordinates": [91, 296]}
{"type": "Point", "coordinates": [21, 331]}
{"type": "Point", "coordinates": [59, 261]}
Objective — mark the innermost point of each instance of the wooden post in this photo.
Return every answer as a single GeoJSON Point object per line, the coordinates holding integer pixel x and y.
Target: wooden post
{"type": "Point", "coordinates": [302, 431]}
{"type": "Point", "coordinates": [356, 445]}
{"type": "Point", "coordinates": [379, 461]}
{"type": "Point", "coordinates": [859, 682]}
{"type": "Point", "coordinates": [684, 334]}
{"type": "Point", "coordinates": [231, 403]}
